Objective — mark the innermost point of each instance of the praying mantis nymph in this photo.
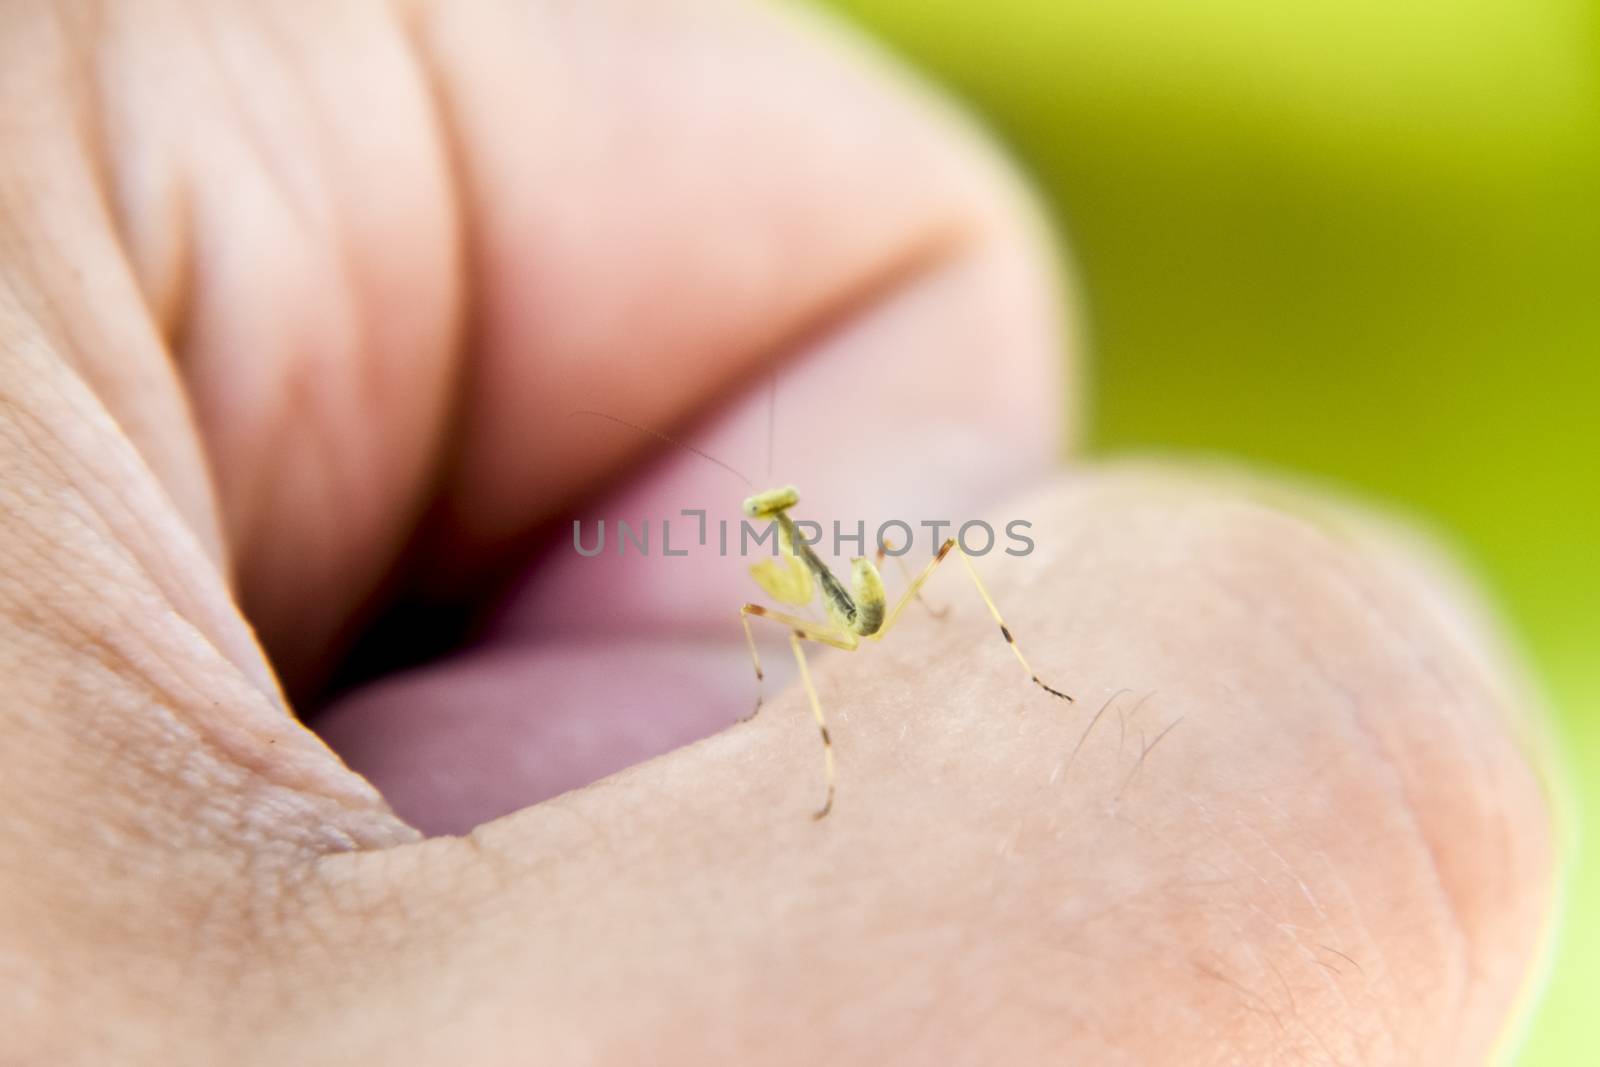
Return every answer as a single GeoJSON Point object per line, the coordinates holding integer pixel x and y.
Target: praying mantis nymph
{"type": "Point", "coordinates": [854, 614]}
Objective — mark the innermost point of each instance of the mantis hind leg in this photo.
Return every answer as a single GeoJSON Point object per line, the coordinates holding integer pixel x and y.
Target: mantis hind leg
{"type": "Point", "coordinates": [809, 630]}
{"type": "Point", "coordinates": [802, 630]}
{"type": "Point", "coordinates": [899, 561]}
{"type": "Point", "coordinates": [828, 774]}
{"type": "Point", "coordinates": [1005, 631]}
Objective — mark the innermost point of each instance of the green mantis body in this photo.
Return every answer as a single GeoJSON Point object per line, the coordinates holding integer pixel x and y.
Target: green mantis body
{"type": "Point", "coordinates": [854, 614]}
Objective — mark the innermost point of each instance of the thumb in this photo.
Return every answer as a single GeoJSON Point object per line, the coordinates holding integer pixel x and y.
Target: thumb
{"type": "Point", "coordinates": [1289, 818]}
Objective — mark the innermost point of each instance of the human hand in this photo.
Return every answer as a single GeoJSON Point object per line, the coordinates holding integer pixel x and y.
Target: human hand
{"type": "Point", "coordinates": [297, 298]}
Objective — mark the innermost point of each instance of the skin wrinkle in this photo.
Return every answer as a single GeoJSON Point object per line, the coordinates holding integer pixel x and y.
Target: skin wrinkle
{"type": "Point", "coordinates": [336, 466]}
{"type": "Point", "coordinates": [465, 248]}
{"type": "Point", "coordinates": [1465, 964]}
{"type": "Point", "coordinates": [1354, 705]}
{"type": "Point", "coordinates": [289, 189]}
{"type": "Point", "coordinates": [167, 298]}
{"type": "Point", "coordinates": [169, 705]}
{"type": "Point", "coordinates": [1351, 1014]}
{"type": "Point", "coordinates": [58, 443]}
{"type": "Point", "coordinates": [295, 393]}
{"type": "Point", "coordinates": [299, 392]}
{"type": "Point", "coordinates": [1301, 1021]}
{"type": "Point", "coordinates": [1240, 931]}
{"type": "Point", "coordinates": [86, 122]}
{"type": "Point", "coordinates": [1160, 900]}
{"type": "Point", "coordinates": [167, 283]}
{"type": "Point", "coordinates": [100, 532]}
{"type": "Point", "coordinates": [1262, 961]}
{"type": "Point", "coordinates": [78, 44]}
{"type": "Point", "coordinates": [1289, 870]}
{"type": "Point", "coordinates": [1300, 882]}
{"type": "Point", "coordinates": [167, 302]}
{"type": "Point", "coordinates": [213, 927]}
{"type": "Point", "coordinates": [1455, 694]}
{"type": "Point", "coordinates": [258, 813]}
{"type": "Point", "coordinates": [50, 449]}
{"type": "Point", "coordinates": [1294, 932]}
{"type": "Point", "coordinates": [296, 196]}
{"type": "Point", "coordinates": [300, 206]}
{"type": "Point", "coordinates": [292, 426]}
{"type": "Point", "coordinates": [1408, 803]}
{"type": "Point", "coordinates": [246, 519]}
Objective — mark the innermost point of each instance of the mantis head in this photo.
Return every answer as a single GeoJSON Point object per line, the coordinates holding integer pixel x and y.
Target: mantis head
{"type": "Point", "coordinates": [772, 502]}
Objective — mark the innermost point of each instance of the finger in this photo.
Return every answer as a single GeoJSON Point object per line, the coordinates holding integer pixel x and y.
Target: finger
{"type": "Point", "coordinates": [909, 385]}
{"type": "Point", "coordinates": [155, 788]}
{"type": "Point", "coordinates": [393, 254]}
{"type": "Point", "coordinates": [237, 226]}
{"type": "Point", "coordinates": [663, 199]}
{"type": "Point", "coordinates": [1285, 820]}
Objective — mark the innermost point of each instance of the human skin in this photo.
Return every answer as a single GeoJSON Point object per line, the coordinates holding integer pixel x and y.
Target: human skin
{"type": "Point", "coordinates": [294, 302]}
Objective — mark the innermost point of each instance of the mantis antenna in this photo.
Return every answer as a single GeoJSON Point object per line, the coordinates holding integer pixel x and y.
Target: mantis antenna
{"type": "Point", "coordinates": [658, 435]}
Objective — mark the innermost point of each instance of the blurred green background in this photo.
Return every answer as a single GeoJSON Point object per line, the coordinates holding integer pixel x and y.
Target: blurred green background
{"type": "Point", "coordinates": [1354, 238]}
